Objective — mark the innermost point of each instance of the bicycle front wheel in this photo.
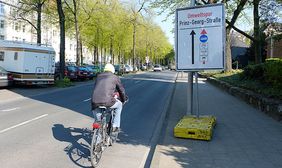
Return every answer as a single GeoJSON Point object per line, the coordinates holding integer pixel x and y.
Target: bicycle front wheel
{"type": "Point", "coordinates": [96, 147]}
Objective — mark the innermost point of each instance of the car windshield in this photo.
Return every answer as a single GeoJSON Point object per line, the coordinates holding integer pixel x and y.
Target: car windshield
{"type": "Point", "coordinates": [71, 68]}
{"type": "Point", "coordinates": [82, 68]}
{"type": "Point", "coordinates": [157, 66]}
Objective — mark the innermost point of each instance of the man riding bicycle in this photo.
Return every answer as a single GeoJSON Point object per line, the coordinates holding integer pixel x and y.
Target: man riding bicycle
{"type": "Point", "coordinates": [106, 86]}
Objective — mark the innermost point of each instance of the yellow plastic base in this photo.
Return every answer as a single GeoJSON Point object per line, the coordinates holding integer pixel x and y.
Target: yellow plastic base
{"type": "Point", "coordinates": [195, 128]}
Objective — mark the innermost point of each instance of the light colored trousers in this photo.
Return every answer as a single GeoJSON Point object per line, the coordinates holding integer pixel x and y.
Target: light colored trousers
{"type": "Point", "coordinates": [118, 108]}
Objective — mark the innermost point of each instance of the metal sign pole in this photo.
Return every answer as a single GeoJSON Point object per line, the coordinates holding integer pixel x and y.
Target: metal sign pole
{"type": "Point", "coordinates": [190, 94]}
{"type": "Point", "coordinates": [190, 84]}
{"type": "Point", "coordinates": [197, 95]}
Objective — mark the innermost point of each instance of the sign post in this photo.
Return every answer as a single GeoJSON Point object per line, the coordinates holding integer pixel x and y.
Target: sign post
{"type": "Point", "coordinates": [200, 45]}
{"type": "Point", "coordinates": [190, 84]}
{"type": "Point", "coordinates": [200, 41]}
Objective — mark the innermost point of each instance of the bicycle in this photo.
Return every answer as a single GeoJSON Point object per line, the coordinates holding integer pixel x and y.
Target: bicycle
{"type": "Point", "coordinates": [103, 135]}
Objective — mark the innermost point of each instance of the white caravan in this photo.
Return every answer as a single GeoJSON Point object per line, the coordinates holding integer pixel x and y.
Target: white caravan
{"type": "Point", "coordinates": [28, 63]}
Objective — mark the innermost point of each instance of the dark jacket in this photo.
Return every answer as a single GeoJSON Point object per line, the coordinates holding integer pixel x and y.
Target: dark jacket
{"type": "Point", "coordinates": [105, 86]}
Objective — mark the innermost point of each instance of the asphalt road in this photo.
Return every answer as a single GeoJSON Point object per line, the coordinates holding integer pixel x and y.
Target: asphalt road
{"type": "Point", "coordinates": [50, 128]}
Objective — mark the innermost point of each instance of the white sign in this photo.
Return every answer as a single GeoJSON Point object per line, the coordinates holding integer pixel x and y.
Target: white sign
{"type": "Point", "coordinates": [200, 38]}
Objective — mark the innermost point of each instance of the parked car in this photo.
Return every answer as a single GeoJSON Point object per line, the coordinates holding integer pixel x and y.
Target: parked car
{"type": "Point", "coordinates": [91, 72]}
{"type": "Point", "coordinates": [82, 73]}
{"type": "Point", "coordinates": [119, 69]}
{"type": "Point", "coordinates": [128, 68]}
{"type": "Point", "coordinates": [143, 67]}
{"type": "Point", "coordinates": [96, 68]}
{"type": "Point", "coordinates": [70, 72]}
{"type": "Point", "coordinates": [6, 79]}
{"type": "Point", "coordinates": [157, 67]}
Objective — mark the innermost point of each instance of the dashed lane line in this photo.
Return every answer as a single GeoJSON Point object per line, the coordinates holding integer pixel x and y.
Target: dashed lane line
{"type": "Point", "coordinates": [11, 109]}
{"type": "Point", "coordinates": [23, 123]}
{"type": "Point", "coordinates": [86, 100]}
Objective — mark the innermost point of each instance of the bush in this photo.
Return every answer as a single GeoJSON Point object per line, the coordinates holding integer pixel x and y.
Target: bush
{"type": "Point", "coordinates": [64, 82]}
{"type": "Point", "coordinates": [273, 72]}
{"type": "Point", "coordinates": [269, 72]}
{"type": "Point", "coordinates": [253, 72]}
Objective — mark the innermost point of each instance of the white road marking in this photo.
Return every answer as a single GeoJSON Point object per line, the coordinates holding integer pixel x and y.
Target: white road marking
{"type": "Point", "coordinates": [12, 109]}
{"type": "Point", "coordinates": [137, 81]}
{"type": "Point", "coordinates": [157, 80]}
{"type": "Point", "coordinates": [143, 161]}
{"type": "Point", "coordinates": [87, 100]}
{"type": "Point", "coordinates": [23, 123]}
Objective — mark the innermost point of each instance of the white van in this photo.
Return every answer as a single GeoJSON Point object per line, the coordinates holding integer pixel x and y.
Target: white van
{"type": "Point", "coordinates": [29, 64]}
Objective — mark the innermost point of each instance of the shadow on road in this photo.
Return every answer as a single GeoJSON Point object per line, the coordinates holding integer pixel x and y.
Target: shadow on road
{"type": "Point", "coordinates": [79, 140]}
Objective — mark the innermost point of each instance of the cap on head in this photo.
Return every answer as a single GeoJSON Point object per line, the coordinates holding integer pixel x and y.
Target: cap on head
{"type": "Point", "coordinates": [109, 68]}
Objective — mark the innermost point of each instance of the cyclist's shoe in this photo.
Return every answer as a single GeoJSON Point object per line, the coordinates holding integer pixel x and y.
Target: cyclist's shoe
{"type": "Point", "coordinates": [116, 129]}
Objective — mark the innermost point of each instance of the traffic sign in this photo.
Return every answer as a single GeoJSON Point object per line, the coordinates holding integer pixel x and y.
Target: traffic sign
{"type": "Point", "coordinates": [200, 38]}
{"type": "Point", "coordinates": [203, 38]}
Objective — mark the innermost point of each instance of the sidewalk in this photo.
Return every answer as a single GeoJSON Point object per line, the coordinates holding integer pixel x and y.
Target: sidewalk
{"type": "Point", "coordinates": [243, 137]}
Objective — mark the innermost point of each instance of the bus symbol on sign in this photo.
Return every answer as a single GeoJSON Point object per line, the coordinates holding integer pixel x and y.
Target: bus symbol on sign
{"type": "Point", "coordinates": [203, 38]}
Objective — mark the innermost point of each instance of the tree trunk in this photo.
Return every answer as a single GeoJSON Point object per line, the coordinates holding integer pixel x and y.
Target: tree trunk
{"type": "Point", "coordinates": [257, 41]}
{"type": "Point", "coordinates": [101, 54]}
{"type": "Point", "coordinates": [62, 38]}
{"type": "Point", "coordinates": [39, 12]}
{"type": "Point", "coordinates": [96, 57]}
{"type": "Point", "coordinates": [80, 50]}
{"type": "Point", "coordinates": [228, 38]}
{"type": "Point", "coordinates": [105, 57]}
{"type": "Point", "coordinates": [119, 55]}
{"type": "Point", "coordinates": [134, 43]}
{"type": "Point", "coordinates": [111, 51]}
{"type": "Point", "coordinates": [228, 55]}
{"type": "Point", "coordinates": [77, 34]}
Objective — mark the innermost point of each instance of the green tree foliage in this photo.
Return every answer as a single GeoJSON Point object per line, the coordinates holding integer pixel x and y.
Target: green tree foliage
{"type": "Point", "coordinates": [109, 31]}
{"type": "Point", "coordinates": [106, 28]}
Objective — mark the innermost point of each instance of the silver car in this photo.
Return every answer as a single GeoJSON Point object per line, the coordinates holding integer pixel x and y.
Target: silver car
{"type": "Point", "coordinates": [157, 67]}
{"type": "Point", "coordinates": [6, 79]}
{"type": "Point", "coordinates": [128, 68]}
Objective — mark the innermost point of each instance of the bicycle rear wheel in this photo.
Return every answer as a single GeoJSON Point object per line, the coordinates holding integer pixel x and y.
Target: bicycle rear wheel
{"type": "Point", "coordinates": [96, 147]}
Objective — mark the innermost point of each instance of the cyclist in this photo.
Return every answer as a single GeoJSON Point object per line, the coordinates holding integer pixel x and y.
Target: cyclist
{"type": "Point", "coordinates": [106, 86]}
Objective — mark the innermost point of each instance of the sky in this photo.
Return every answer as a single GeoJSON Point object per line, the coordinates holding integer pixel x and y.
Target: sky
{"type": "Point", "coordinates": [166, 25]}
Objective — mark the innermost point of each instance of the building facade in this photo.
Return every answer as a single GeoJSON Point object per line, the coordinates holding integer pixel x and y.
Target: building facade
{"type": "Point", "coordinates": [274, 47]}
{"type": "Point", "coordinates": [18, 30]}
